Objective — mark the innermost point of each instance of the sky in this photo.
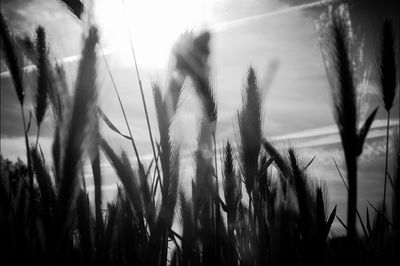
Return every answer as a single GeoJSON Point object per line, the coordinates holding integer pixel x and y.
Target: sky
{"type": "Point", "coordinates": [277, 37]}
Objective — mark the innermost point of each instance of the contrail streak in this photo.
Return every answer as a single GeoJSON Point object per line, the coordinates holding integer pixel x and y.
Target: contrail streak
{"type": "Point", "coordinates": [233, 23]}
{"type": "Point", "coordinates": [331, 130]}
{"type": "Point", "coordinates": [216, 27]}
{"type": "Point", "coordinates": [65, 60]}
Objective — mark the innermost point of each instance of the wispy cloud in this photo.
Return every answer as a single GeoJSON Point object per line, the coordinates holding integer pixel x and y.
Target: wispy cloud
{"type": "Point", "coordinates": [13, 147]}
{"type": "Point", "coordinates": [332, 130]}
{"type": "Point", "coordinates": [65, 60]}
{"type": "Point", "coordinates": [236, 22]}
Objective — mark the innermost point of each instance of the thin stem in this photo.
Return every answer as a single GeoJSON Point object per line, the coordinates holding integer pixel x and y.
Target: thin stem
{"type": "Point", "coordinates": [352, 199]}
{"type": "Point", "coordinates": [341, 222]}
{"type": "Point", "coordinates": [340, 174]}
{"type": "Point", "coordinates": [215, 162]}
{"type": "Point", "coordinates": [379, 212]}
{"type": "Point", "coordinates": [347, 188]}
{"type": "Point", "coordinates": [141, 93]}
{"type": "Point", "coordinates": [250, 201]}
{"type": "Point", "coordinates": [155, 178]}
{"type": "Point", "coordinates": [164, 249]}
{"type": "Point", "coordinates": [154, 185]}
{"type": "Point", "coordinates": [28, 157]}
{"type": "Point", "coordinates": [37, 136]}
{"type": "Point", "coordinates": [386, 161]}
{"type": "Point", "coordinates": [173, 236]}
{"type": "Point", "coordinates": [158, 178]}
{"type": "Point", "coordinates": [120, 104]}
{"type": "Point", "coordinates": [216, 197]}
{"type": "Point", "coordinates": [158, 181]}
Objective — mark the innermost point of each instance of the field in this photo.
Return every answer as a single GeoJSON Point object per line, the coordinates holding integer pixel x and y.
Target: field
{"type": "Point", "coordinates": [253, 204]}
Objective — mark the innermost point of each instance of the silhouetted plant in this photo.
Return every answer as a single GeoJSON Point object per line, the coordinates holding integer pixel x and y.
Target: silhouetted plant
{"type": "Point", "coordinates": [43, 78]}
{"type": "Point", "coordinates": [345, 109]}
{"type": "Point", "coordinates": [387, 83]}
{"type": "Point", "coordinates": [281, 217]}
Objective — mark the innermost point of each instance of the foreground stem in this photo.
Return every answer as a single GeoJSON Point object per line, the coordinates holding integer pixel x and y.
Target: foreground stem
{"type": "Point", "coordinates": [386, 161]}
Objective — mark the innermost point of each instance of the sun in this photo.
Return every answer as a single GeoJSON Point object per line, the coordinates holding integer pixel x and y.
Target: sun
{"type": "Point", "coordinates": [153, 26]}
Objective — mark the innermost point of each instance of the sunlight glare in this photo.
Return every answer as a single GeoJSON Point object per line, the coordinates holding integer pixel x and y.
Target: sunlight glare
{"type": "Point", "coordinates": [154, 26]}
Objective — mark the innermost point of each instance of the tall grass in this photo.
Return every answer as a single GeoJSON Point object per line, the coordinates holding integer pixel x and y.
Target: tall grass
{"type": "Point", "coordinates": [14, 61]}
{"type": "Point", "coordinates": [249, 120]}
{"type": "Point", "coordinates": [270, 212]}
{"type": "Point", "coordinates": [396, 192]}
{"type": "Point", "coordinates": [142, 94]}
{"type": "Point", "coordinates": [345, 109]}
{"type": "Point", "coordinates": [387, 83]}
{"type": "Point", "coordinates": [43, 79]}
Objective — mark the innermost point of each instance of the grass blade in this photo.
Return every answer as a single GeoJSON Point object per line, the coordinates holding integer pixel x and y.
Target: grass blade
{"type": "Point", "coordinates": [110, 124]}
{"type": "Point", "coordinates": [345, 109]}
{"type": "Point", "coordinates": [13, 60]}
{"type": "Point", "coordinates": [79, 134]}
{"type": "Point", "coordinates": [364, 131]}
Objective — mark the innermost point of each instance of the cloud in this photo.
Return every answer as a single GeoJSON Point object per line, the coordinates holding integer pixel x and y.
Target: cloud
{"type": "Point", "coordinates": [332, 130]}
{"type": "Point", "coordinates": [63, 61]}
{"type": "Point", "coordinates": [13, 148]}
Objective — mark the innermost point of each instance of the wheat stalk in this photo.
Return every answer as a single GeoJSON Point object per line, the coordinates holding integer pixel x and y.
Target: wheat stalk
{"type": "Point", "coordinates": [387, 83]}
{"type": "Point", "coordinates": [79, 135]}
{"type": "Point", "coordinates": [43, 78]}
